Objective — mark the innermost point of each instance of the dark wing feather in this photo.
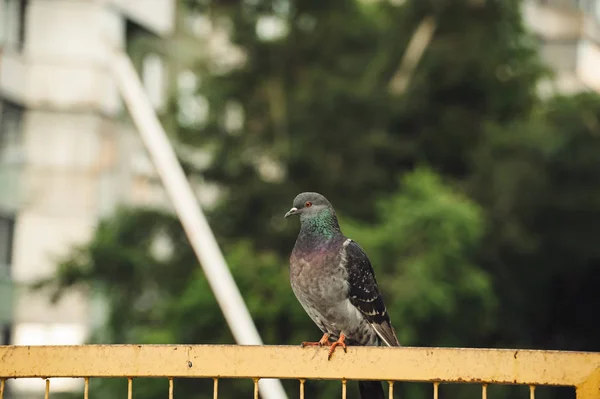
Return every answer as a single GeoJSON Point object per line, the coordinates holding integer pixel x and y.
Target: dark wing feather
{"type": "Point", "coordinates": [365, 295]}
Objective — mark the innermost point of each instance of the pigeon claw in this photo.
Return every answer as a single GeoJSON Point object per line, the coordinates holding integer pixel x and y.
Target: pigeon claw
{"type": "Point", "coordinates": [339, 342]}
{"type": "Point", "coordinates": [323, 341]}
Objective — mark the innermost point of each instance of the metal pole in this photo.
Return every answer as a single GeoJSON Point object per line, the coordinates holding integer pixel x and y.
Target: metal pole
{"type": "Point", "coordinates": [188, 210]}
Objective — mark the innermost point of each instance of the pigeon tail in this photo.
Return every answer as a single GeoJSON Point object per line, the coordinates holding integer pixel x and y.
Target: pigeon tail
{"type": "Point", "coordinates": [371, 390]}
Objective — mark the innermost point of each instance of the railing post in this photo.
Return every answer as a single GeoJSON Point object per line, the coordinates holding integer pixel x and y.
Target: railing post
{"type": "Point", "coordinates": [590, 388]}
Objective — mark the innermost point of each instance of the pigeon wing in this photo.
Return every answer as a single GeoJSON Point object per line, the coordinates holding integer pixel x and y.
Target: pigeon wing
{"type": "Point", "coordinates": [364, 293]}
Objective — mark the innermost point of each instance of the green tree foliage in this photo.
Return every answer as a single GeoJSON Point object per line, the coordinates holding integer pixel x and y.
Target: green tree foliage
{"type": "Point", "coordinates": [423, 247]}
{"type": "Point", "coordinates": [317, 102]}
{"type": "Point", "coordinates": [538, 182]}
{"type": "Point", "coordinates": [476, 201]}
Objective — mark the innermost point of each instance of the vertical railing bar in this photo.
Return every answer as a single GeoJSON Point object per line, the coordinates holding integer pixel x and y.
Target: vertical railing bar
{"type": "Point", "coordinates": [47, 395]}
{"type": "Point", "coordinates": [216, 388]}
{"type": "Point", "coordinates": [391, 389]}
{"type": "Point", "coordinates": [343, 389]}
{"type": "Point", "coordinates": [170, 387]}
{"type": "Point", "coordinates": [255, 388]}
{"type": "Point", "coordinates": [532, 392]}
{"type": "Point", "coordinates": [302, 380]}
{"type": "Point", "coordinates": [129, 388]}
{"type": "Point", "coordinates": [86, 388]}
{"type": "Point", "coordinates": [484, 391]}
{"type": "Point", "coordinates": [2, 380]}
{"type": "Point", "coordinates": [436, 386]}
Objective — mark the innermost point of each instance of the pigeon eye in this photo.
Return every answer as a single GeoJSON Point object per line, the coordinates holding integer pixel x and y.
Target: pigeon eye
{"type": "Point", "coordinates": [308, 204]}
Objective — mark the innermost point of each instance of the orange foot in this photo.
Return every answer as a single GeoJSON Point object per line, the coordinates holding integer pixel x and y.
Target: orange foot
{"type": "Point", "coordinates": [339, 342]}
{"type": "Point", "coordinates": [323, 341]}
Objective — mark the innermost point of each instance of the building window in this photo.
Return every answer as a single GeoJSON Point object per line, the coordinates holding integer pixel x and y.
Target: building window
{"type": "Point", "coordinates": [4, 334]}
{"type": "Point", "coordinates": [49, 334]}
{"type": "Point", "coordinates": [7, 228]}
{"type": "Point", "coordinates": [145, 49]}
{"type": "Point", "coordinates": [153, 78]}
{"type": "Point", "coordinates": [11, 155]}
{"type": "Point", "coordinates": [13, 23]}
{"type": "Point", "coordinates": [11, 121]}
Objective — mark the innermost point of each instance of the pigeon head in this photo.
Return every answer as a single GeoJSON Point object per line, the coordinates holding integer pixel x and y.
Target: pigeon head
{"type": "Point", "coordinates": [307, 205]}
{"type": "Point", "coordinates": [317, 218]}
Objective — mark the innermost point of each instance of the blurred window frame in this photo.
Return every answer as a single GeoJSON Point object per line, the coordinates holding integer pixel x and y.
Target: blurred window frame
{"type": "Point", "coordinates": [11, 132]}
{"type": "Point", "coordinates": [13, 16]}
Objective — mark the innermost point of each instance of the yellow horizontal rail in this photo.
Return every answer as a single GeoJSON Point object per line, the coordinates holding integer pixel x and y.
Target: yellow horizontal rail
{"type": "Point", "coordinates": [500, 366]}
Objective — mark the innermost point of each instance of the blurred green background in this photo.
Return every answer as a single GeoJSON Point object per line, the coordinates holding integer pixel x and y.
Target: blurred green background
{"type": "Point", "coordinates": [476, 199]}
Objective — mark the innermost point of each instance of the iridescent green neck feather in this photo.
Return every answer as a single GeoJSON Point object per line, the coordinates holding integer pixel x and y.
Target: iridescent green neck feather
{"type": "Point", "coordinates": [323, 224]}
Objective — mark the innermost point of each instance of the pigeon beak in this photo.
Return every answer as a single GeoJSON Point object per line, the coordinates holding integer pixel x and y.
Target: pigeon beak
{"type": "Point", "coordinates": [291, 212]}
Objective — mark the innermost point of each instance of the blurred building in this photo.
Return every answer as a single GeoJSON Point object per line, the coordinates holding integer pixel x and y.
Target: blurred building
{"type": "Point", "coordinates": [569, 33]}
{"type": "Point", "coordinates": [68, 155]}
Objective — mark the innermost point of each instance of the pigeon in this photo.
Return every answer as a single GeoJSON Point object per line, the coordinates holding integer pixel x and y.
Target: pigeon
{"type": "Point", "coordinates": [334, 282]}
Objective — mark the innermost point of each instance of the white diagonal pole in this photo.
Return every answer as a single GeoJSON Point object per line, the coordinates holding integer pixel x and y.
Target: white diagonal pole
{"type": "Point", "coordinates": [412, 55]}
{"type": "Point", "coordinates": [188, 210]}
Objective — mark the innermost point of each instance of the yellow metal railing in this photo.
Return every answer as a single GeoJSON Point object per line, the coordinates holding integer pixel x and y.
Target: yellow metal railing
{"type": "Point", "coordinates": [435, 365]}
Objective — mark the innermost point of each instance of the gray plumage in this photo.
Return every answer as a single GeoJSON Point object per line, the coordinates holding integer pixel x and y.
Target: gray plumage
{"type": "Point", "coordinates": [334, 282]}
{"type": "Point", "coordinates": [333, 279]}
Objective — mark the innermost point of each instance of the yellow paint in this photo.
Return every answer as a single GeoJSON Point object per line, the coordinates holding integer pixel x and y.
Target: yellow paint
{"type": "Point", "coordinates": [484, 366]}
{"type": "Point", "coordinates": [590, 387]}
